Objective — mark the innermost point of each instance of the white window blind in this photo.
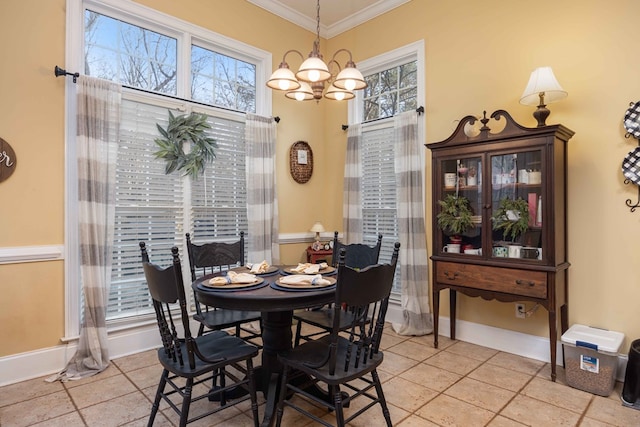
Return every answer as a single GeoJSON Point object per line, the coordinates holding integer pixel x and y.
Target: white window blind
{"type": "Point", "coordinates": [379, 213]}
{"type": "Point", "coordinates": [159, 209]}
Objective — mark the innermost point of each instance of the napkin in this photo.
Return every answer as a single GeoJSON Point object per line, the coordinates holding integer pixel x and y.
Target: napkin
{"type": "Point", "coordinates": [233, 277]}
{"type": "Point", "coordinates": [304, 279]}
{"type": "Point", "coordinates": [308, 268]}
{"type": "Point", "coordinates": [259, 268]}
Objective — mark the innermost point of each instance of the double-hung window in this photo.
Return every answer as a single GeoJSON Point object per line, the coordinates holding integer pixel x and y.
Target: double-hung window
{"type": "Point", "coordinates": [164, 64]}
{"type": "Point", "coordinates": [395, 84]}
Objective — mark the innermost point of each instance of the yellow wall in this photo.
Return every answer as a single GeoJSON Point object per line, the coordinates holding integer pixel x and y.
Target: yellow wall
{"type": "Point", "coordinates": [478, 57]}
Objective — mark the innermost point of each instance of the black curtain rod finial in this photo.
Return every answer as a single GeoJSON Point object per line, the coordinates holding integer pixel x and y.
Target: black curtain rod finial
{"type": "Point", "coordinates": [420, 110]}
{"type": "Point", "coordinates": [62, 72]}
{"type": "Point", "coordinates": [276, 119]}
{"type": "Point", "coordinates": [345, 127]}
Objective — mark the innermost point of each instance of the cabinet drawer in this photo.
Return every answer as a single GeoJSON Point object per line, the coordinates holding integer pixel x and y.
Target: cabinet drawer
{"type": "Point", "coordinates": [506, 280]}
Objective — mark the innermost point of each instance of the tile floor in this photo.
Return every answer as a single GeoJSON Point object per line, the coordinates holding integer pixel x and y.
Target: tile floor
{"type": "Point", "coordinates": [459, 384]}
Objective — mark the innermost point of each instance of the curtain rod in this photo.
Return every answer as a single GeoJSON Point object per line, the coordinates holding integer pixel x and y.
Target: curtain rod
{"type": "Point", "coordinates": [419, 110]}
{"type": "Point", "coordinates": [62, 72]}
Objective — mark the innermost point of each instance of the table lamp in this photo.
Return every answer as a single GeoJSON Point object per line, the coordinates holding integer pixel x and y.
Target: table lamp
{"type": "Point", "coordinates": [542, 87]}
{"type": "Point", "coordinates": [317, 228]}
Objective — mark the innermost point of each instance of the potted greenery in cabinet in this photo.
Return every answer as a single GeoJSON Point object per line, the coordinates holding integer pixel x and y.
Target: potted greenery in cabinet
{"type": "Point", "coordinates": [455, 216]}
{"type": "Point", "coordinates": [512, 217]}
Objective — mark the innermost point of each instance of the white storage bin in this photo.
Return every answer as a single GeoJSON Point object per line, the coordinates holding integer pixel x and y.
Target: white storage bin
{"type": "Point", "coordinates": [590, 358]}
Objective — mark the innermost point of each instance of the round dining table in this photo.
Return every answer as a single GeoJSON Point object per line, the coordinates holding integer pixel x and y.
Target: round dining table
{"type": "Point", "coordinates": [276, 305]}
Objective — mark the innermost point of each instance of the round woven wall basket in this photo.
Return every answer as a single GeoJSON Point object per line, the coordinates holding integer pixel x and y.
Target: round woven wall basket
{"type": "Point", "coordinates": [301, 162]}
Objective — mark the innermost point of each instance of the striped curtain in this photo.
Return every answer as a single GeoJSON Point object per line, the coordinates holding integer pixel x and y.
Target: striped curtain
{"type": "Point", "coordinates": [413, 252]}
{"type": "Point", "coordinates": [352, 198]}
{"type": "Point", "coordinates": [262, 200]}
{"type": "Point", "coordinates": [98, 118]}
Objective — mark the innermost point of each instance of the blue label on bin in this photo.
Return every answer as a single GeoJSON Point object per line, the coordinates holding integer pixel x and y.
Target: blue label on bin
{"type": "Point", "coordinates": [589, 363]}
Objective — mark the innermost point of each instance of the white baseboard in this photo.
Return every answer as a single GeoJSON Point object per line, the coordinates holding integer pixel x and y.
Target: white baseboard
{"type": "Point", "coordinates": [25, 366]}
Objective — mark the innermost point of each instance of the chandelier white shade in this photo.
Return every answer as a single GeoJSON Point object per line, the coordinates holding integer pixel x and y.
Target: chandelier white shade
{"type": "Point", "coordinates": [314, 73]}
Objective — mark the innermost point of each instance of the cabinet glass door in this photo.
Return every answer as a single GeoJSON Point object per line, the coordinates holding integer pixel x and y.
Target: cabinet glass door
{"type": "Point", "coordinates": [460, 214]}
{"type": "Point", "coordinates": [516, 205]}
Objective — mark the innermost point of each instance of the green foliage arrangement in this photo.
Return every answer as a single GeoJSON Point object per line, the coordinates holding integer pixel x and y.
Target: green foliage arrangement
{"type": "Point", "coordinates": [186, 128]}
{"type": "Point", "coordinates": [455, 215]}
{"type": "Point", "coordinates": [512, 217]}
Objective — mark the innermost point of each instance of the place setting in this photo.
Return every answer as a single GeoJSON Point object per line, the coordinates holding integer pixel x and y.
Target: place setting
{"type": "Point", "coordinates": [304, 282]}
{"type": "Point", "coordinates": [259, 269]}
{"type": "Point", "coordinates": [233, 281]}
{"type": "Point", "coordinates": [309, 268]}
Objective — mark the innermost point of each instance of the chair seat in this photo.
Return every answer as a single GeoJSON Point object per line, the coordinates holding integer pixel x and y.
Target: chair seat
{"type": "Point", "coordinates": [222, 319]}
{"type": "Point", "coordinates": [217, 345]}
{"type": "Point", "coordinates": [308, 355]}
{"type": "Point", "coordinates": [323, 318]}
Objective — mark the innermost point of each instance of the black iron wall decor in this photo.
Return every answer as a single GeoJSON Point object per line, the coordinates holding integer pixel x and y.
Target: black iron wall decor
{"type": "Point", "coordinates": [631, 163]}
{"type": "Point", "coordinates": [7, 160]}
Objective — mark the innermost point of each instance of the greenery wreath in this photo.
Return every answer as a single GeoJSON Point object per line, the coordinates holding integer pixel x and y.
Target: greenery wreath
{"type": "Point", "coordinates": [186, 128]}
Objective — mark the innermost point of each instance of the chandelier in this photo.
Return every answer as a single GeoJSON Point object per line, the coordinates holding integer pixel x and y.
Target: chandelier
{"type": "Point", "coordinates": [309, 82]}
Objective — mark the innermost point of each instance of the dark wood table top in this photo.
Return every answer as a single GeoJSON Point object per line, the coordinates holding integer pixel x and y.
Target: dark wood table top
{"type": "Point", "coordinates": [264, 299]}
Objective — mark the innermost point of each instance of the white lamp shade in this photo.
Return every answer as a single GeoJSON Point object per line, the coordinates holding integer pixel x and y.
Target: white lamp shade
{"type": "Point", "coordinates": [350, 79]}
{"type": "Point", "coordinates": [303, 93]}
{"type": "Point", "coordinates": [338, 94]}
{"type": "Point", "coordinates": [317, 228]}
{"type": "Point", "coordinates": [283, 79]}
{"type": "Point", "coordinates": [542, 80]}
{"type": "Point", "coordinates": [313, 69]}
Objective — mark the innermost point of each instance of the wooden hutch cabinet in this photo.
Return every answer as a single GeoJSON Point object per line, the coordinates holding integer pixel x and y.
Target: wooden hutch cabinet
{"type": "Point", "coordinates": [485, 167]}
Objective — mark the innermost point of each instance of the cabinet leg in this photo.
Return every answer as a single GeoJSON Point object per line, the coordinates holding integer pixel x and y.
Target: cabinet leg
{"type": "Point", "coordinates": [436, 316]}
{"type": "Point", "coordinates": [452, 310]}
{"type": "Point", "coordinates": [553, 337]}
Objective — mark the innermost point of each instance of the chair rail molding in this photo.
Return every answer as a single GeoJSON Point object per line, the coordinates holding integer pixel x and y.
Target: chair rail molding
{"type": "Point", "coordinates": [19, 254]}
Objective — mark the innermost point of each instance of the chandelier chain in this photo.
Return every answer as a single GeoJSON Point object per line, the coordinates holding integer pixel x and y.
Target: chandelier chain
{"type": "Point", "coordinates": [318, 23]}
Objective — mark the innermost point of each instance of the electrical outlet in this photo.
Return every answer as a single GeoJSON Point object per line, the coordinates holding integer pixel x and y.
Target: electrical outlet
{"type": "Point", "coordinates": [521, 312]}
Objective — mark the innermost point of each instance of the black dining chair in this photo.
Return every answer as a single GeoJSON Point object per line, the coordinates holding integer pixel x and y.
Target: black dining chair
{"type": "Point", "coordinates": [187, 361]}
{"type": "Point", "coordinates": [358, 255]}
{"type": "Point", "coordinates": [215, 257]}
{"type": "Point", "coordinates": [347, 359]}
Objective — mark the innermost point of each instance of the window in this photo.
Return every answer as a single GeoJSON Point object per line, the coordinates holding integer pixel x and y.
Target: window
{"type": "Point", "coordinates": [395, 85]}
{"type": "Point", "coordinates": [142, 49]}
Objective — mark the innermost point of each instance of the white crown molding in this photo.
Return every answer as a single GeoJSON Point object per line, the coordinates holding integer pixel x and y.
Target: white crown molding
{"type": "Point", "coordinates": [328, 31]}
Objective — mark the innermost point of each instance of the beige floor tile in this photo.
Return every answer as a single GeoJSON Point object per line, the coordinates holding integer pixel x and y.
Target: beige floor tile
{"type": "Point", "coordinates": [27, 390]}
{"type": "Point", "coordinates": [100, 391]}
{"type": "Point", "coordinates": [545, 373]}
{"type": "Point", "coordinates": [416, 421]}
{"type": "Point", "coordinates": [395, 364]}
{"type": "Point", "coordinates": [36, 410]}
{"type": "Point", "coordinates": [480, 394]}
{"type": "Point", "coordinates": [558, 394]}
{"type": "Point", "coordinates": [406, 394]}
{"type": "Point", "coordinates": [427, 340]}
{"type": "Point", "coordinates": [590, 422]}
{"type": "Point", "coordinates": [501, 377]}
{"type": "Point", "coordinates": [111, 371]}
{"type": "Point", "coordinates": [452, 362]}
{"type": "Point", "coordinates": [413, 350]}
{"type": "Point", "coordinates": [137, 361]}
{"type": "Point", "coordinates": [391, 339]}
{"type": "Point", "coordinates": [447, 411]}
{"type": "Point", "coordinates": [145, 377]}
{"type": "Point", "coordinates": [536, 413]}
{"type": "Point", "coordinates": [472, 351]}
{"type": "Point", "coordinates": [69, 420]}
{"type": "Point", "coordinates": [516, 363]}
{"type": "Point", "coordinates": [159, 421]}
{"type": "Point", "coordinates": [500, 421]}
{"type": "Point", "coordinates": [431, 377]}
{"type": "Point", "coordinates": [117, 411]}
{"type": "Point", "coordinates": [612, 412]}
{"type": "Point", "coordinates": [371, 417]}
